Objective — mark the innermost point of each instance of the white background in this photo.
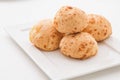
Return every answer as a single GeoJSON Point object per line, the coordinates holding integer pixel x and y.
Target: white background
{"type": "Point", "coordinates": [16, 65]}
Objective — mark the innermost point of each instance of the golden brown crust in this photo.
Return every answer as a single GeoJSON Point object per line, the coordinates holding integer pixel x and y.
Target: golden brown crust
{"type": "Point", "coordinates": [45, 36]}
{"type": "Point", "coordinates": [98, 26]}
{"type": "Point", "coordinates": [70, 20]}
{"type": "Point", "coordinates": [81, 45]}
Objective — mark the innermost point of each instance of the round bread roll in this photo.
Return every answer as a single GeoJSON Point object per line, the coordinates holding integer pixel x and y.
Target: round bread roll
{"type": "Point", "coordinates": [45, 36]}
{"type": "Point", "coordinates": [98, 26]}
{"type": "Point", "coordinates": [80, 46]}
{"type": "Point", "coordinates": [70, 20]}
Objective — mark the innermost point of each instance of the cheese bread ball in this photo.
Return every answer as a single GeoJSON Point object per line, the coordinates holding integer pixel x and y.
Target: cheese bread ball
{"type": "Point", "coordinates": [99, 27]}
{"type": "Point", "coordinates": [81, 45]}
{"type": "Point", "coordinates": [45, 36]}
{"type": "Point", "coordinates": [70, 20]}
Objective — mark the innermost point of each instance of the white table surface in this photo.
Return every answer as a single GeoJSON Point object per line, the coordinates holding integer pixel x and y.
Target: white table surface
{"type": "Point", "coordinates": [16, 65]}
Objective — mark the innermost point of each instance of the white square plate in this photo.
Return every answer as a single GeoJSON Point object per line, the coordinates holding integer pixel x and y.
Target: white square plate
{"type": "Point", "coordinates": [58, 66]}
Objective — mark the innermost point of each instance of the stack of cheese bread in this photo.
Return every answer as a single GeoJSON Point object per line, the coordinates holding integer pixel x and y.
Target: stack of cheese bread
{"type": "Point", "coordinates": [73, 31]}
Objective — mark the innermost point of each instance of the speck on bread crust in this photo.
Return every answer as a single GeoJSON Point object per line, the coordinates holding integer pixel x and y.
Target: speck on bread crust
{"type": "Point", "coordinates": [81, 45]}
{"type": "Point", "coordinates": [70, 20]}
{"type": "Point", "coordinates": [45, 36]}
{"type": "Point", "coordinates": [99, 27]}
